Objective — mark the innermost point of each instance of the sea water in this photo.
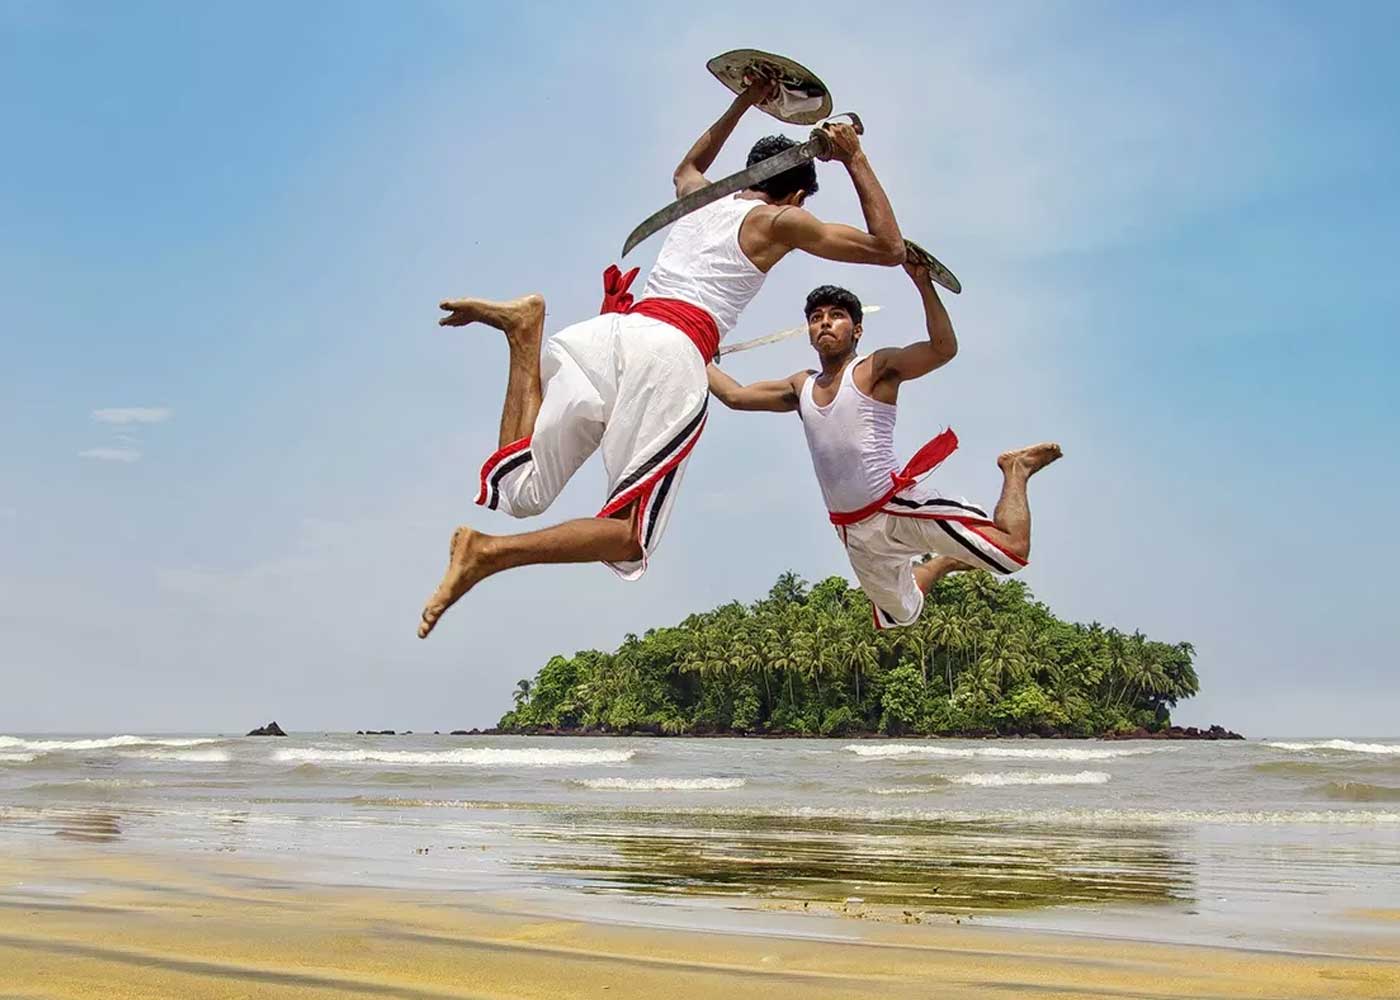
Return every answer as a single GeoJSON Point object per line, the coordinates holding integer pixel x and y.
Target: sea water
{"type": "Point", "coordinates": [1266, 842]}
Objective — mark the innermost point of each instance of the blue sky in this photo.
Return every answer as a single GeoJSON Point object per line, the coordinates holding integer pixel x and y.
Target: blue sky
{"type": "Point", "coordinates": [236, 443]}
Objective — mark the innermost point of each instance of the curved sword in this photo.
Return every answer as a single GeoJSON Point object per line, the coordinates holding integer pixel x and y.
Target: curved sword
{"type": "Point", "coordinates": [773, 338]}
{"type": "Point", "coordinates": [818, 146]}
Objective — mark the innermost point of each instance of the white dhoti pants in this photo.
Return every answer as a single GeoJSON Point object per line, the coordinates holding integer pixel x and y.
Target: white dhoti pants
{"type": "Point", "coordinates": [630, 384]}
{"type": "Point", "coordinates": [915, 522]}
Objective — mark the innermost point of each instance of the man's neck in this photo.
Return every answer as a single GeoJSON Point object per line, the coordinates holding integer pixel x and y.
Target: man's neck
{"type": "Point", "coordinates": [831, 367]}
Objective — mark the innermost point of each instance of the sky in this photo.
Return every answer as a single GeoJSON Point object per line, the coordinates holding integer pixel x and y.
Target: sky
{"type": "Point", "coordinates": [235, 443]}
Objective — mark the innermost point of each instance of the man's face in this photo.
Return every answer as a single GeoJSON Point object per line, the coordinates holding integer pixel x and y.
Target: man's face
{"type": "Point", "coordinates": [831, 331]}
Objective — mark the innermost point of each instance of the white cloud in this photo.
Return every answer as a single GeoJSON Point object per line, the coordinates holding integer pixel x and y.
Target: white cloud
{"type": "Point", "coordinates": [111, 454]}
{"type": "Point", "coordinates": [133, 415]}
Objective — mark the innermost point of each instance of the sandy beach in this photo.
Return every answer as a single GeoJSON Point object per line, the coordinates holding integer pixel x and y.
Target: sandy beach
{"type": "Point", "coordinates": [83, 922]}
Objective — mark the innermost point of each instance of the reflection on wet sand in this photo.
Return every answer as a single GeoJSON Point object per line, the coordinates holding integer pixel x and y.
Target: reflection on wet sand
{"type": "Point", "coordinates": [97, 827]}
{"type": "Point", "coordinates": [935, 867]}
{"type": "Point", "coordinates": [89, 825]}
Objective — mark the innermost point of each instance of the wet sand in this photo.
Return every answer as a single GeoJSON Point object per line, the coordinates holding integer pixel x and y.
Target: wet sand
{"type": "Point", "coordinates": [94, 924]}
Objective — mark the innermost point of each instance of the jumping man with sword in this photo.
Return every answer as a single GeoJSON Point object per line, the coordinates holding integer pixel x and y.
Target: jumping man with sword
{"type": "Point", "coordinates": [887, 517]}
{"type": "Point", "coordinates": [632, 381]}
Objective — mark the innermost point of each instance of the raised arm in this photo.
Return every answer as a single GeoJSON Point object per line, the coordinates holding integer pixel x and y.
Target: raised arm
{"type": "Point", "coordinates": [899, 364]}
{"type": "Point", "coordinates": [776, 395]}
{"type": "Point", "coordinates": [690, 175]}
{"type": "Point", "coordinates": [881, 243]}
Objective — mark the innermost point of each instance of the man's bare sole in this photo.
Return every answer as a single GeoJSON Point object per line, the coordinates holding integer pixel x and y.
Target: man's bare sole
{"type": "Point", "coordinates": [465, 569]}
{"type": "Point", "coordinates": [1031, 459]}
{"type": "Point", "coordinates": [513, 317]}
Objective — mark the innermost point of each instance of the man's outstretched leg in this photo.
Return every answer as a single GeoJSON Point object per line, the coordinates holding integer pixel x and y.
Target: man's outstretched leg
{"type": "Point", "coordinates": [475, 556]}
{"type": "Point", "coordinates": [1012, 516]}
{"type": "Point", "coordinates": [522, 321]}
{"type": "Point", "coordinates": [926, 574]}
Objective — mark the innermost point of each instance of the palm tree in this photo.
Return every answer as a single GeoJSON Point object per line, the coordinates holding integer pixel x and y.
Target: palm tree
{"type": "Point", "coordinates": [861, 654]}
{"type": "Point", "coordinates": [947, 631]}
{"type": "Point", "coordinates": [522, 692]}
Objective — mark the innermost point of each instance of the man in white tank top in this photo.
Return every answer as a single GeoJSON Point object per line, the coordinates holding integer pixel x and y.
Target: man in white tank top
{"type": "Point", "coordinates": [632, 381]}
{"type": "Point", "coordinates": [886, 516]}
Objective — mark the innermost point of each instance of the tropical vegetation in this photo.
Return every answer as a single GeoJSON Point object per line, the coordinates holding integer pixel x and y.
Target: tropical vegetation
{"type": "Point", "coordinates": [984, 658]}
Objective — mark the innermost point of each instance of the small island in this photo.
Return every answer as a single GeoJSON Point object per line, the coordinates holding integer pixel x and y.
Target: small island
{"type": "Point", "coordinates": [985, 659]}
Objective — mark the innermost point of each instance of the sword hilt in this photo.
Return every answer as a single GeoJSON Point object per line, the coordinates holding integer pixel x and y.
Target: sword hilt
{"type": "Point", "coordinates": [822, 138]}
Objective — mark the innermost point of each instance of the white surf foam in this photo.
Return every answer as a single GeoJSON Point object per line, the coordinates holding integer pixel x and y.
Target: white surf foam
{"type": "Point", "coordinates": [17, 758]}
{"type": "Point", "coordinates": [101, 743]}
{"type": "Point", "coordinates": [1098, 817]}
{"type": "Point", "coordinates": [183, 756]}
{"type": "Point", "coordinates": [661, 784]}
{"type": "Point", "coordinates": [466, 757]}
{"type": "Point", "coordinates": [998, 778]}
{"type": "Point", "coordinates": [994, 752]}
{"type": "Point", "coordinates": [1344, 745]}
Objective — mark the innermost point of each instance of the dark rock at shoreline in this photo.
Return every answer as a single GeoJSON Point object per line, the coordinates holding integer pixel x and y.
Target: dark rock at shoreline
{"type": "Point", "coordinates": [1177, 733]}
{"type": "Point", "coordinates": [271, 729]}
{"type": "Point", "coordinates": [375, 732]}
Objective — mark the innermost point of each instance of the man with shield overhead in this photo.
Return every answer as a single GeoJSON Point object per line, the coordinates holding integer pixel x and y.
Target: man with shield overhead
{"type": "Point", "coordinates": [632, 381]}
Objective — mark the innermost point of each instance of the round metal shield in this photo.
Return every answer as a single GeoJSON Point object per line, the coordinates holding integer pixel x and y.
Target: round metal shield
{"type": "Point", "coordinates": [802, 98]}
{"type": "Point", "coordinates": [936, 270]}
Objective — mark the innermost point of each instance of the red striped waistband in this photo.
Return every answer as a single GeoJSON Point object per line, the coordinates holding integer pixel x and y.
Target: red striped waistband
{"type": "Point", "coordinates": [925, 460]}
{"type": "Point", "coordinates": [688, 318]}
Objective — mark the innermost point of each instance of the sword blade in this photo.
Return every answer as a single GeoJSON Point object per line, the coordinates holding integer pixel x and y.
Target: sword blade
{"type": "Point", "coordinates": [773, 338]}
{"type": "Point", "coordinates": [746, 178]}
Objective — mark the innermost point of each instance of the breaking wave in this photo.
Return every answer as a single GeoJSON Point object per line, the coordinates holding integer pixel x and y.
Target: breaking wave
{"type": "Point", "coordinates": [999, 779]}
{"type": "Point", "coordinates": [1344, 745]}
{"type": "Point", "coordinates": [660, 784]}
{"type": "Point", "coordinates": [183, 756]}
{"type": "Point", "coordinates": [101, 743]}
{"type": "Point", "coordinates": [995, 752]}
{"type": "Point", "coordinates": [466, 757]}
{"type": "Point", "coordinates": [17, 758]}
{"type": "Point", "coordinates": [1359, 791]}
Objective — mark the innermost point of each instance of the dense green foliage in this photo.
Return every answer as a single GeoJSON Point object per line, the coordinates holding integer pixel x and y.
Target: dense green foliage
{"type": "Point", "coordinates": [984, 657]}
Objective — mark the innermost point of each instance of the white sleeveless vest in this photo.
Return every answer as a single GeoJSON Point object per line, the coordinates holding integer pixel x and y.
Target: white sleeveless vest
{"type": "Point", "coordinates": [851, 441]}
{"type": "Point", "coordinates": [702, 263]}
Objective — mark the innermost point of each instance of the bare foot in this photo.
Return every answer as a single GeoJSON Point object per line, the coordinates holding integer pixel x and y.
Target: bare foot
{"type": "Point", "coordinates": [465, 568]}
{"type": "Point", "coordinates": [521, 318]}
{"type": "Point", "coordinates": [1031, 459]}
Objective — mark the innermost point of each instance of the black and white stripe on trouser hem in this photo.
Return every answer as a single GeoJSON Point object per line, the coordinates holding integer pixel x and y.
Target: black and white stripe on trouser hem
{"type": "Point", "coordinates": [503, 470]}
{"type": "Point", "coordinates": [663, 454]}
{"type": "Point", "coordinates": [979, 547]}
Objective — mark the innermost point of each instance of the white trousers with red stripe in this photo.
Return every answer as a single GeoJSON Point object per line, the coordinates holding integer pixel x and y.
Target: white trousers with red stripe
{"type": "Point", "coordinates": [916, 522]}
{"type": "Point", "coordinates": [634, 387]}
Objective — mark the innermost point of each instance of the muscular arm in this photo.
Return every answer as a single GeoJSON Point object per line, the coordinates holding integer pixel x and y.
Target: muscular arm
{"type": "Point", "coordinates": [775, 396]}
{"type": "Point", "coordinates": [899, 364]}
{"type": "Point", "coordinates": [690, 175]}
{"type": "Point", "coordinates": [881, 243]}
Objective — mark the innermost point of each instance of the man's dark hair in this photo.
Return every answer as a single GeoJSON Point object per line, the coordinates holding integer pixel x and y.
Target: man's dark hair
{"type": "Point", "coordinates": [800, 178]}
{"type": "Point", "coordinates": [833, 295]}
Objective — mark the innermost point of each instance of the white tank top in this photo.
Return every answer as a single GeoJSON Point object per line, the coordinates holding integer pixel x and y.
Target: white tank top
{"type": "Point", "coordinates": [852, 443]}
{"type": "Point", "coordinates": [702, 263]}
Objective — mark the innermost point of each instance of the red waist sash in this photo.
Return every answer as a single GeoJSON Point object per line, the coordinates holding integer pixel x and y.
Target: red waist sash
{"type": "Point", "coordinates": [689, 319]}
{"type": "Point", "coordinates": [925, 460]}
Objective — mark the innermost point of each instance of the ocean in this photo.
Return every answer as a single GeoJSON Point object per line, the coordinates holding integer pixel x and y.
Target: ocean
{"type": "Point", "coordinates": [1264, 843]}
